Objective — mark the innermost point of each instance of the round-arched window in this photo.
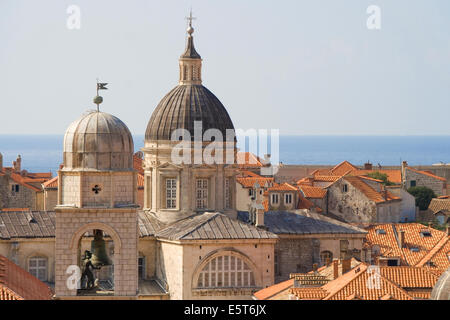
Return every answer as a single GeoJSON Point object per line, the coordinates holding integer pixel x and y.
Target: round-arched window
{"type": "Point", "coordinates": [226, 271]}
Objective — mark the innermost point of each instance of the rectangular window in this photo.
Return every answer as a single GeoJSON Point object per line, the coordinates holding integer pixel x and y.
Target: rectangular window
{"type": "Point", "coordinates": [413, 183]}
{"type": "Point", "coordinates": [275, 198]}
{"type": "Point", "coordinates": [288, 198]}
{"type": "Point", "coordinates": [141, 267]}
{"type": "Point", "coordinates": [202, 193]}
{"type": "Point", "coordinates": [38, 268]}
{"type": "Point", "coordinates": [171, 193]}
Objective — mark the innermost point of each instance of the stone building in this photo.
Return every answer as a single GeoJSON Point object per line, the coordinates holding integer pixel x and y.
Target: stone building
{"type": "Point", "coordinates": [361, 199]}
{"type": "Point", "coordinates": [185, 243]}
{"type": "Point", "coordinates": [419, 178]}
{"type": "Point", "coordinates": [20, 188]}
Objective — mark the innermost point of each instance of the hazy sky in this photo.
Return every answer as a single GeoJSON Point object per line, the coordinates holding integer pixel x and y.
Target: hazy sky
{"type": "Point", "coordinates": [305, 67]}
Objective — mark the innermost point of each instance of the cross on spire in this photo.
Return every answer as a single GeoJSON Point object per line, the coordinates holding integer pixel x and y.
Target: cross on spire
{"type": "Point", "coordinates": [190, 18]}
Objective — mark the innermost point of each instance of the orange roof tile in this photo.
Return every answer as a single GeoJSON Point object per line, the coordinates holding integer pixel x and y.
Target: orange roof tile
{"type": "Point", "coordinates": [248, 160]}
{"type": "Point", "coordinates": [438, 205]}
{"type": "Point", "coordinates": [313, 192]}
{"type": "Point", "coordinates": [343, 168]}
{"type": "Point", "coordinates": [52, 183]}
{"type": "Point", "coordinates": [249, 182]}
{"type": "Point", "coordinates": [282, 187]}
{"type": "Point", "coordinates": [410, 277]}
{"type": "Point", "coordinates": [20, 284]}
{"type": "Point", "coordinates": [393, 175]}
{"type": "Point", "coordinates": [137, 164]}
{"type": "Point", "coordinates": [355, 284]}
{"type": "Point", "coordinates": [326, 178]}
{"type": "Point", "coordinates": [269, 292]}
{"type": "Point", "coordinates": [389, 244]}
{"type": "Point", "coordinates": [368, 191]}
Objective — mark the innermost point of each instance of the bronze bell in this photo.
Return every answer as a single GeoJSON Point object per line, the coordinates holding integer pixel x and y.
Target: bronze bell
{"type": "Point", "coordinates": [98, 248]}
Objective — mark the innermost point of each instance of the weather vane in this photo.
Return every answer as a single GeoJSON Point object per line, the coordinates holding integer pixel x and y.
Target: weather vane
{"type": "Point", "coordinates": [99, 99]}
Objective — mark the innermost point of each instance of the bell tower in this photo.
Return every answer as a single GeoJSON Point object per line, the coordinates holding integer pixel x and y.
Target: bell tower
{"type": "Point", "coordinates": [96, 215]}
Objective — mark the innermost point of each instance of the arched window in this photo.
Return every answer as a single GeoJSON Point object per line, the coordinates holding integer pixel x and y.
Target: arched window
{"type": "Point", "coordinates": [226, 271]}
{"type": "Point", "coordinates": [326, 256]}
{"type": "Point", "coordinates": [37, 266]}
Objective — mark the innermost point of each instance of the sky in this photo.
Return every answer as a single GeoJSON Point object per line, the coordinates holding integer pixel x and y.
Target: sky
{"type": "Point", "coordinates": [305, 67]}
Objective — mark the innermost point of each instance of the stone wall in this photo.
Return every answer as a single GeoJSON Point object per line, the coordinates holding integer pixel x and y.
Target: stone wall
{"type": "Point", "coordinates": [295, 255]}
{"type": "Point", "coordinates": [352, 206]}
{"type": "Point", "coordinates": [120, 224]}
{"type": "Point", "coordinates": [422, 180]}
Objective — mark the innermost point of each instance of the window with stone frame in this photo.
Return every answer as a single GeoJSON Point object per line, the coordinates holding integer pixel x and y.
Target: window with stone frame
{"type": "Point", "coordinates": [201, 193]}
{"type": "Point", "coordinates": [37, 266]}
{"type": "Point", "coordinates": [288, 198]}
{"type": "Point", "coordinates": [171, 193]}
{"type": "Point", "coordinates": [274, 198]}
{"type": "Point", "coordinates": [227, 193]}
{"type": "Point", "coordinates": [226, 271]}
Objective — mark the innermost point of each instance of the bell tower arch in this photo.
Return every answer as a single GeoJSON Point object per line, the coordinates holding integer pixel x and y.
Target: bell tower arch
{"type": "Point", "coordinates": [96, 215]}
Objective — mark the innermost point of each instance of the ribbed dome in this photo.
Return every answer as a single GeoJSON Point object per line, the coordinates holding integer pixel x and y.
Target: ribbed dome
{"type": "Point", "coordinates": [181, 107]}
{"type": "Point", "coordinates": [98, 141]}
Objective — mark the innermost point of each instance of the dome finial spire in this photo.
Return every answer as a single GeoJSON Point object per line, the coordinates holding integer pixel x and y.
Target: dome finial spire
{"type": "Point", "coordinates": [190, 29]}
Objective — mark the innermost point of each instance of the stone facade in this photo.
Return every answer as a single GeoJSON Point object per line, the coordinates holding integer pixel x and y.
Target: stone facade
{"type": "Point", "coordinates": [414, 178]}
{"type": "Point", "coordinates": [120, 224]}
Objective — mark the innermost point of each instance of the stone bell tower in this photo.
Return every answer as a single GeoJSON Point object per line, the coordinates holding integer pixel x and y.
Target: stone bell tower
{"type": "Point", "coordinates": [97, 196]}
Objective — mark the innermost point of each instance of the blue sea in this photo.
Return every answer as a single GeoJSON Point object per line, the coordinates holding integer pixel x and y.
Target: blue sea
{"type": "Point", "coordinates": [43, 153]}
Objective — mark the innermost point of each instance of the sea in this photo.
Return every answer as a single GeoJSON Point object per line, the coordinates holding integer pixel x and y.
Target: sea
{"type": "Point", "coordinates": [43, 153]}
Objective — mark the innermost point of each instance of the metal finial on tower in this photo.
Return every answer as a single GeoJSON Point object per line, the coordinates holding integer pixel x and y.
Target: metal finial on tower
{"type": "Point", "coordinates": [190, 29]}
{"type": "Point", "coordinates": [99, 99]}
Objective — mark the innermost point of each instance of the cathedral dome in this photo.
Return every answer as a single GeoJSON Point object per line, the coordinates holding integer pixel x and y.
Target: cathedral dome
{"type": "Point", "coordinates": [98, 141]}
{"type": "Point", "coordinates": [188, 102]}
{"type": "Point", "coordinates": [181, 107]}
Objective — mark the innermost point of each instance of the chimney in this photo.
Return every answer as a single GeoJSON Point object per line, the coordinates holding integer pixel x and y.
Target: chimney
{"type": "Point", "coordinates": [315, 267]}
{"type": "Point", "coordinates": [258, 207]}
{"type": "Point", "coordinates": [404, 166]}
{"type": "Point", "coordinates": [17, 164]}
{"type": "Point", "coordinates": [335, 269]}
{"type": "Point", "coordinates": [402, 238]}
{"type": "Point", "coordinates": [346, 265]}
{"type": "Point", "coordinates": [448, 231]}
{"type": "Point", "coordinates": [368, 166]}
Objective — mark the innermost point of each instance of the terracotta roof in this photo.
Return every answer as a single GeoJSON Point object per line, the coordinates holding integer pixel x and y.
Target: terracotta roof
{"type": "Point", "coordinates": [17, 178]}
{"type": "Point", "coordinates": [410, 277]}
{"type": "Point", "coordinates": [313, 192]}
{"type": "Point", "coordinates": [414, 238]}
{"type": "Point", "coordinates": [393, 175]}
{"type": "Point", "coordinates": [427, 173]}
{"type": "Point", "coordinates": [282, 187]}
{"type": "Point", "coordinates": [343, 168]}
{"type": "Point", "coordinates": [304, 203]}
{"type": "Point", "coordinates": [368, 191]}
{"type": "Point", "coordinates": [211, 226]}
{"type": "Point", "coordinates": [444, 197]}
{"type": "Point", "coordinates": [249, 182]}
{"type": "Point", "coordinates": [248, 160]}
{"type": "Point", "coordinates": [137, 164]}
{"type": "Point", "coordinates": [18, 284]}
{"type": "Point", "coordinates": [271, 291]}
{"type": "Point", "coordinates": [326, 178]}
{"type": "Point", "coordinates": [355, 284]}
{"type": "Point", "coordinates": [52, 183]}
{"type": "Point", "coordinates": [439, 205]}
{"type": "Point", "coordinates": [438, 256]}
